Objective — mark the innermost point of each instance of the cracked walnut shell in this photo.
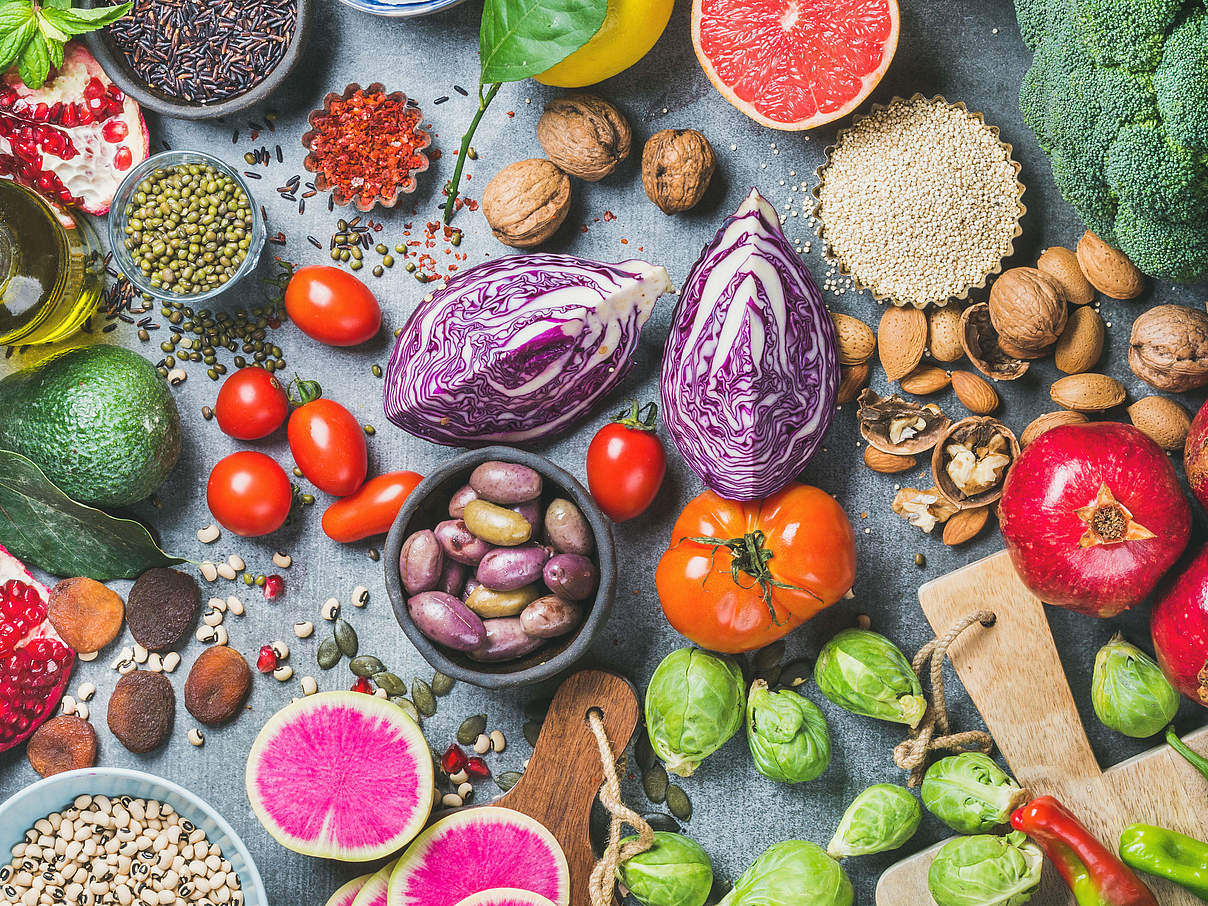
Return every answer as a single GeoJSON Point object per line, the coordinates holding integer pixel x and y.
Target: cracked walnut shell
{"type": "Point", "coordinates": [677, 165]}
{"type": "Point", "coordinates": [526, 202]}
{"type": "Point", "coordinates": [970, 462]}
{"type": "Point", "coordinates": [584, 135]}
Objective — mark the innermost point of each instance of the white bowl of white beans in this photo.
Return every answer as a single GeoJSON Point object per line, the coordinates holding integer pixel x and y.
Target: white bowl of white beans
{"type": "Point", "coordinates": [104, 836]}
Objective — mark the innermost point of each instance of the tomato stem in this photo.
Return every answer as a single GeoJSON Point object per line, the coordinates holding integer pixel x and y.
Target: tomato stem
{"type": "Point", "coordinates": [638, 417]}
{"type": "Point", "coordinates": [750, 556]}
{"type": "Point", "coordinates": [301, 392]}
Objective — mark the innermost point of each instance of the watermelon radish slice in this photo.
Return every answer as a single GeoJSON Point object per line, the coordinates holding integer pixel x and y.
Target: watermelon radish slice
{"type": "Point", "coordinates": [341, 775]}
{"type": "Point", "coordinates": [376, 887]}
{"type": "Point", "coordinates": [506, 896]}
{"type": "Point", "coordinates": [476, 850]}
{"type": "Point", "coordinates": [348, 893]}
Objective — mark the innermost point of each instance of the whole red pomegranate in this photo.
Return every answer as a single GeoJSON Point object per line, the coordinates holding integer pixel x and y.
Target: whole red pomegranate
{"type": "Point", "coordinates": [35, 664]}
{"type": "Point", "coordinates": [1180, 629]}
{"type": "Point", "coordinates": [1093, 515]}
{"type": "Point", "coordinates": [1195, 456]}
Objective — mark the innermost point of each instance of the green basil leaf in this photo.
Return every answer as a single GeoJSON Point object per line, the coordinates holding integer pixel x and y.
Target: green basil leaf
{"type": "Point", "coordinates": [522, 38]}
{"type": "Point", "coordinates": [34, 65]}
{"type": "Point", "coordinates": [13, 43]}
{"type": "Point", "coordinates": [43, 526]}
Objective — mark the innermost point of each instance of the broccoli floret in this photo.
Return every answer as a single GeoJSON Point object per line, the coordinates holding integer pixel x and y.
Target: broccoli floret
{"type": "Point", "coordinates": [1117, 95]}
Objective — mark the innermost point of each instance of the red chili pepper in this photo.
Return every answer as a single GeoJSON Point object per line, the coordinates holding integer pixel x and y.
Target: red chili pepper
{"type": "Point", "coordinates": [1093, 873]}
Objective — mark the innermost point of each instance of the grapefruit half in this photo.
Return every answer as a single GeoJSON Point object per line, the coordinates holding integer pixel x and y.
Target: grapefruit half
{"type": "Point", "coordinates": [795, 64]}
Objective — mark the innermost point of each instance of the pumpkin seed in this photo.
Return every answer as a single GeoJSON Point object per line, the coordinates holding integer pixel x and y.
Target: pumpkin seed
{"type": "Point", "coordinates": [644, 752]}
{"type": "Point", "coordinates": [391, 683]}
{"type": "Point", "coordinates": [328, 654]}
{"type": "Point", "coordinates": [532, 730]}
{"type": "Point", "coordinates": [346, 638]}
{"type": "Point", "coordinates": [679, 803]}
{"type": "Point", "coordinates": [507, 780]}
{"type": "Point", "coordinates": [769, 656]}
{"type": "Point", "coordinates": [405, 704]}
{"type": "Point", "coordinates": [795, 673]}
{"type": "Point", "coordinates": [655, 783]}
{"type": "Point", "coordinates": [660, 821]}
{"type": "Point", "coordinates": [772, 675]}
{"type": "Point", "coordinates": [366, 665]}
{"type": "Point", "coordinates": [441, 684]}
{"type": "Point", "coordinates": [421, 694]}
{"type": "Point", "coordinates": [471, 728]}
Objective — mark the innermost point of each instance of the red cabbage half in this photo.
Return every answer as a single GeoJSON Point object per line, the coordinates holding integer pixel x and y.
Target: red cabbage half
{"type": "Point", "coordinates": [751, 367]}
{"type": "Point", "coordinates": [519, 348]}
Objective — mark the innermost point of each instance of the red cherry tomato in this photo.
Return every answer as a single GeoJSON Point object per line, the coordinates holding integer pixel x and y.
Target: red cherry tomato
{"type": "Point", "coordinates": [248, 493]}
{"type": "Point", "coordinates": [329, 446]}
{"type": "Point", "coordinates": [251, 404]}
{"type": "Point", "coordinates": [332, 306]}
{"type": "Point", "coordinates": [371, 510]}
{"type": "Point", "coordinates": [626, 464]}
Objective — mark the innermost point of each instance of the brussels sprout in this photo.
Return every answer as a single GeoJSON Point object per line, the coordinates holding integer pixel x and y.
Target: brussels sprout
{"type": "Point", "coordinates": [970, 793]}
{"type": "Point", "coordinates": [693, 706]}
{"type": "Point", "coordinates": [881, 818]}
{"type": "Point", "coordinates": [865, 673]}
{"type": "Point", "coordinates": [986, 871]}
{"type": "Point", "coordinates": [1129, 691]}
{"type": "Point", "coordinates": [793, 873]}
{"type": "Point", "coordinates": [676, 871]}
{"type": "Point", "coordinates": [787, 734]}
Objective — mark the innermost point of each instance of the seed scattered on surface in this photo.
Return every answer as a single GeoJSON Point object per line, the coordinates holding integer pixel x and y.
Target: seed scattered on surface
{"type": "Point", "coordinates": [235, 562]}
{"type": "Point", "coordinates": [465, 790]}
{"type": "Point", "coordinates": [451, 800]}
{"type": "Point", "coordinates": [366, 665]}
{"type": "Point", "coordinates": [532, 730]}
{"type": "Point", "coordinates": [508, 779]}
{"type": "Point", "coordinates": [205, 634]}
{"type": "Point", "coordinates": [209, 534]}
{"type": "Point", "coordinates": [421, 694]}
{"type": "Point", "coordinates": [678, 803]}
{"type": "Point", "coordinates": [220, 635]}
{"type": "Point", "coordinates": [331, 609]}
{"type": "Point", "coordinates": [212, 617]}
{"type": "Point", "coordinates": [86, 692]}
{"type": "Point", "coordinates": [140, 654]}
{"type": "Point", "coordinates": [82, 711]}
{"type": "Point", "coordinates": [303, 629]}
{"type": "Point", "coordinates": [644, 753]}
{"type": "Point", "coordinates": [471, 729]}
{"type": "Point", "coordinates": [346, 638]}
{"type": "Point", "coordinates": [177, 376]}
{"type": "Point", "coordinates": [360, 596]}
{"type": "Point", "coordinates": [863, 621]}
{"type": "Point", "coordinates": [374, 554]}
{"type": "Point", "coordinates": [482, 744]}
{"type": "Point", "coordinates": [309, 685]}
{"type": "Point", "coordinates": [441, 684]}
{"type": "Point", "coordinates": [209, 571]}
{"type": "Point", "coordinates": [284, 673]}
{"type": "Point", "coordinates": [217, 604]}
{"type": "Point", "coordinates": [795, 673]}
{"type": "Point", "coordinates": [87, 656]}
{"type": "Point", "coordinates": [234, 605]}
{"type": "Point", "coordinates": [392, 683]}
{"type": "Point", "coordinates": [127, 667]}
{"type": "Point", "coordinates": [655, 784]}
{"type": "Point", "coordinates": [498, 741]}
{"type": "Point", "coordinates": [407, 707]}
{"type": "Point", "coordinates": [226, 571]}
{"type": "Point", "coordinates": [380, 693]}
{"type": "Point", "coordinates": [67, 705]}
{"type": "Point", "coordinates": [155, 663]}
{"type": "Point", "coordinates": [328, 654]}
{"type": "Point", "coordinates": [171, 662]}
{"type": "Point", "coordinates": [196, 737]}
{"type": "Point", "coordinates": [920, 560]}
{"type": "Point", "coordinates": [282, 560]}
{"type": "Point", "coordinates": [459, 777]}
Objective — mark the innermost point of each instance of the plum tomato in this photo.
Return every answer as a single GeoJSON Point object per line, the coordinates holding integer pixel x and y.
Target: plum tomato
{"type": "Point", "coordinates": [372, 509]}
{"type": "Point", "coordinates": [332, 306]}
{"type": "Point", "coordinates": [626, 463]}
{"type": "Point", "coordinates": [251, 404]}
{"type": "Point", "coordinates": [329, 446]}
{"type": "Point", "coordinates": [249, 494]}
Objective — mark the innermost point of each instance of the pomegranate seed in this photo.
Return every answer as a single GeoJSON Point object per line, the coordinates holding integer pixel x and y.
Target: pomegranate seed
{"type": "Point", "coordinates": [363, 685]}
{"type": "Point", "coordinates": [84, 116]}
{"type": "Point", "coordinates": [267, 661]}
{"type": "Point", "coordinates": [33, 668]}
{"type": "Point", "coordinates": [476, 767]}
{"type": "Point", "coordinates": [55, 112]}
{"type": "Point", "coordinates": [453, 760]}
{"type": "Point", "coordinates": [7, 97]}
{"type": "Point", "coordinates": [68, 117]}
{"type": "Point", "coordinates": [41, 112]}
{"type": "Point", "coordinates": [114, 92]}
{"type": "Point", "coordinates": [115, 130]}
{"type": "Point", "coordinates": [94, 89]}
{"type": "Point", "coordinates": [273, 585]}
{"type": "Point", "coordinates": [122, 161]}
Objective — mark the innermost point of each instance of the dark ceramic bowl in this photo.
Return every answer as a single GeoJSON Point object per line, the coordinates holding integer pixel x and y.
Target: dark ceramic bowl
{"type": "Point", "coordinates": [113, 61]}
{"type": "Point", "coordinates": [428, 505]}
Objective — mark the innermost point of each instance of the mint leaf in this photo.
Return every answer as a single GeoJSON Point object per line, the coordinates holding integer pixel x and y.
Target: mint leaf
{"type": "Point", "coordinates": [13, 43]}
{"type": "Point", "coordinates": [50, 30]}
{"type": "Point", "coordinates": [56, 53]}
{"type": "Point", "coordinates": [34, 65]}
{"type": "Point", "coordinates": [87, 19]}
{"type": "Point", "coordinates": [15, 14]}
{"type": "Point", "coordinates": [522, 38]}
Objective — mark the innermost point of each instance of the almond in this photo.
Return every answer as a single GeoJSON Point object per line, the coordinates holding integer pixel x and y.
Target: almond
{"type": "Point", "coordinates": [1061, 264]}
{"type": "Point", "coordinates": [965, 525]}
{"type": "Point", "coordinates": [1088, 392]}
{"type": "Point", "coordinates": [887, 463]}
{"type": "Point", "coordinates": [856, 340]}
{"type": "Point", "coordinates": [1049, 421]}
{"type": "Point", "coordinates": [1165, 421]}
{"type": "Point", "coordinates": [1108, 269]}
{"type": "Point", "coordinates": [944, 333]}
{"type": "Point", "coordinates": [852, 379]}
{"type": "Point", "coordinates": [974, 392]}
{"type": "Point", "coordinates": [1081, 342]}
{"type": "Point", "coordinates": [925, 379]}
{"type": "Point", "coordinates": [901, 339]}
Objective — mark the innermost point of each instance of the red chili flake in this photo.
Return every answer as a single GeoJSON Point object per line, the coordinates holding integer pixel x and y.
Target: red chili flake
{"type": "Point", "coordinates": [511, 113]}
{"type": "Point", "coordinates": [609, 217]}
{"type": "Point", "coordinates": [583, 229]}
{"type": "Point", "coordinates": [624, 242]}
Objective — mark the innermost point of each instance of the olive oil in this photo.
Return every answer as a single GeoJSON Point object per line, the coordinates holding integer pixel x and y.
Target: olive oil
{"type": "Point", "coordinates": [50, 269]}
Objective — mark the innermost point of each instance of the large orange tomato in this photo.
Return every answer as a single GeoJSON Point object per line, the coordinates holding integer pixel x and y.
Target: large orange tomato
{"type": "Point", "coordinates": [740, 574]}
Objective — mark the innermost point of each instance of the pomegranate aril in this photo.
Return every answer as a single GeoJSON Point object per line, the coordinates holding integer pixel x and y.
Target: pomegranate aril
{"type": "Point", "coordinates": [476, 767]}
{"type": "Point", "coordinates": [453, 760]}
{"type": "Point", "coordinates": [123, 159]}
{"type": "Point", "coordinates": [67, 118]}
{"type": "Point", "coordinates": [363, 685]}
{"type": "Point", "coordinates": [115, 131]}
{"type": "Point", "coordinates": [266, 662]}
{"type": "Point", "coordinates": [273, 585]}
{"type": "Point", "coordinates": [94, 89]}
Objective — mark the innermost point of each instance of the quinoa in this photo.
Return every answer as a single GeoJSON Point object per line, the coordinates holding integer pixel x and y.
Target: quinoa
{"type": "Point", "coordinates": [919, 201]}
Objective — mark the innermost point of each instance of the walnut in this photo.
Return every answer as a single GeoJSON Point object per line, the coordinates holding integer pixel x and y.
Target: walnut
{"type": "Point", "coordinates": [970, 464]}
{"type": "Point", "coordinates": [899, 426]}
{"type": "Point", "coordinates": [677, 165]}
{"type": "Point", "coordinates": [1028, 310]}
{"type": "Point", "coordinates": [1168, 348]}
{"type": "Point", "coordinates": [526, 202]}
{"type": "Point", "coordinates": [925, 509]}
{"type": "Point", "coordinates": [584, 135]}
{"type": "Point", "coordinates": [984, 348]}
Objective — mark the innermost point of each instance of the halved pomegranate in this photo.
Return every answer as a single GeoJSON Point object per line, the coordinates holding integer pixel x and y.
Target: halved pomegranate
{"type": "Point", "coordinates": [73, 139]}
{"type": "Point", "coordinates": [35, 664]}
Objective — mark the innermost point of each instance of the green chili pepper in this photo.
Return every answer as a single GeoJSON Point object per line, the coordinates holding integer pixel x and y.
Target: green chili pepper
{"type": "Point", "coordinates": [1167, 854]}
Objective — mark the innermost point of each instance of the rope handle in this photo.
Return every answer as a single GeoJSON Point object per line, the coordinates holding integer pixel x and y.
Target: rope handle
{"type": "Point", "coordinates": [602, 884]}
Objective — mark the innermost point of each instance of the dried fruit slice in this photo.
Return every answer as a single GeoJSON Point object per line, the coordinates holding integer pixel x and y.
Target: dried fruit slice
{"type": "Point", "coordinates": [376, 888]}
{"type": "Point", "coordinates": [795, 64]}
{"type": "Point", "coordinates": [75, 138]}
{"type": "Point", "coordinates": [142, 710]}
{"type": "Point", "coordinates": [506, 896]}
{"type": "Point", "coordinates": [217, 685]}
{"type": "Point", "coordinates": [347, 894]}
{"type": "Point", "coordinates": [63, 743]}
{"type": "Point", "coordinates": [506, 848]}
{"type": "Point", "coordinates": [85, 613]}
{"type": "Point", "coordinates": [341, 776]}
{"type": "Point", "coordinates": [161, 607]}
{"type": "Point", "coordinates": [35, 664]}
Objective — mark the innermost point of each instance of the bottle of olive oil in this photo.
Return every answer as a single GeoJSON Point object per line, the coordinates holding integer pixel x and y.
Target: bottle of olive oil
{"type": "Point", "coordinates": [50, 269]}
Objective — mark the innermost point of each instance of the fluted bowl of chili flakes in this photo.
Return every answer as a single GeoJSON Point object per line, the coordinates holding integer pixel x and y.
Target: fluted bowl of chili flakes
{"type": "Point", "coordinates": [366, 146]}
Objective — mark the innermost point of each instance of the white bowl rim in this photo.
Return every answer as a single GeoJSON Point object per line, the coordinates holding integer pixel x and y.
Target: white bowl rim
{"type": "Point", "coordinates": [252, 873]}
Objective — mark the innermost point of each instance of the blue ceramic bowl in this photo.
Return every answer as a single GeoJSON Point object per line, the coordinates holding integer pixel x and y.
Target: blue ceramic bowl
{"type": "Point", "coordinates": [19, 812]}
{"type": "Point", "coordinates": [403, 8]}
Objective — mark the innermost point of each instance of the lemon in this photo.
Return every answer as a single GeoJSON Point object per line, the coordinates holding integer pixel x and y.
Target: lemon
{"type": "Point", "coordinates": [630, 29]}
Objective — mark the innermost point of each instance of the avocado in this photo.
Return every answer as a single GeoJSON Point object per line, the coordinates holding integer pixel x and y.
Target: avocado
{"type": "Point", "coordinates": [98, 420]}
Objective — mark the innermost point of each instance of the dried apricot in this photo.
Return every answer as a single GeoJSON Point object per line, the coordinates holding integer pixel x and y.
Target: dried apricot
{"type": "Point", "coordinates": [217, 685]}
{"type": "Point", "coordinates": [161, 608]}
{"type": "Point", "coordinates": [85, 613]}
{"type": "Point", "coordinates": [141, 710]}
{"type": "Point", "coordinates": [63, 743]}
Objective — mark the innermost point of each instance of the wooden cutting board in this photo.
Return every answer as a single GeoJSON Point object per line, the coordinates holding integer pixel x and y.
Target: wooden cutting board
{"type": "Point", "coordinates": [565, 772]}
{"type": "Point", "coordinates": [1014, 676]}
